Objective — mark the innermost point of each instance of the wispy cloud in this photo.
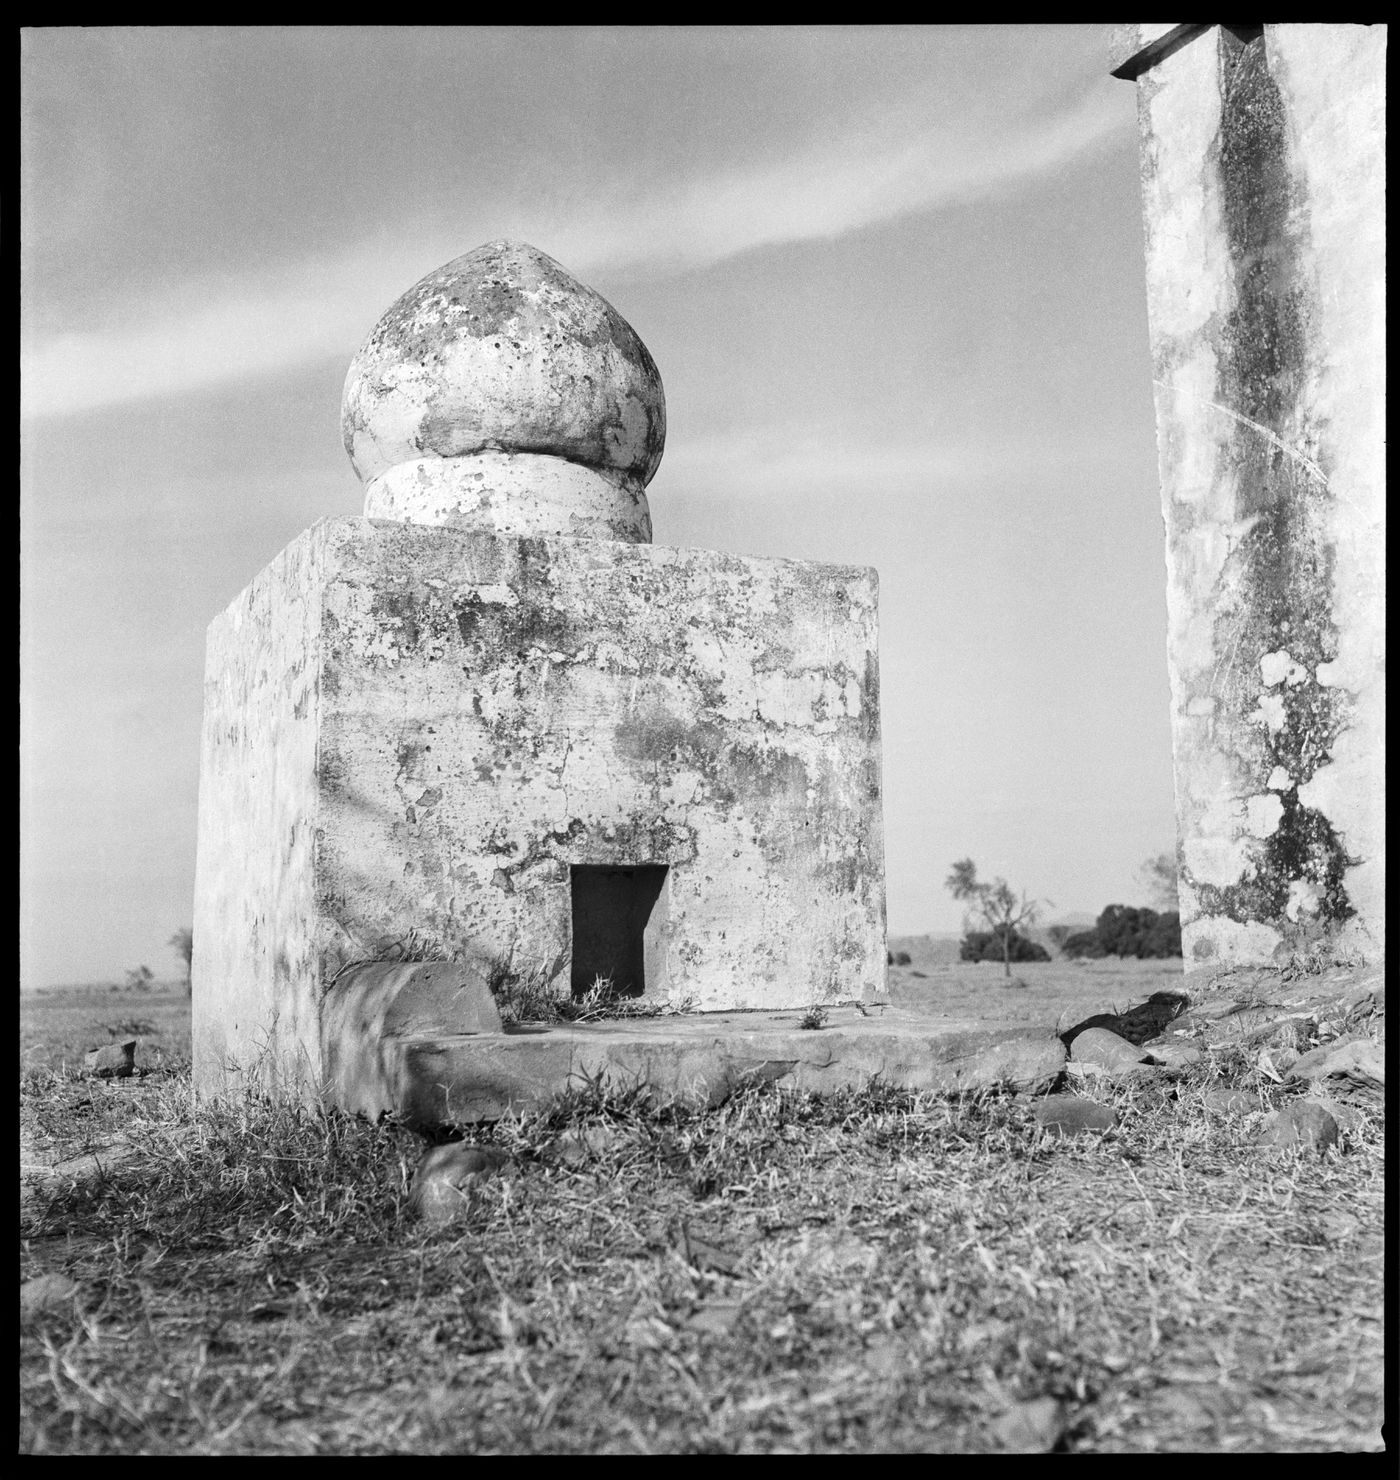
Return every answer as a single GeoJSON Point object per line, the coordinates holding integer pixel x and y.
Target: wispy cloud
{"type": "Point", "coordinates": [225, 332]}
{"type": "Point", "coordinates": [871, 176]}
{"type": "Point", "coordinates": [777, 462]}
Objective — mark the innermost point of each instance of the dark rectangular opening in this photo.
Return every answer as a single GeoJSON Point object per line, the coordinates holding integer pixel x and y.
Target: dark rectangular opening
{"type": "Point", "coordinates": [616, 927]}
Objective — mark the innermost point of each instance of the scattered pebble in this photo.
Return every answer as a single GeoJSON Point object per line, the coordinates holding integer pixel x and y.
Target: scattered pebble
{"type": "Point", "coordinates": [1030, 1428]}
{"type": "Point", "coordinates": [1231, 1101]}
{"type": "Point", "coordinates": [579, 1144]}
{"type": "Point", "coordinates": [1339, 1225]}
{"type": "Point", "coordinates": [1069, 1115]}
{"type": "Point", "coordinates": [45, 1295]}
{"type": "Point", "coordinates": [1304, 1123]}
{"type": "Point", "coordinates": [715, 1317]}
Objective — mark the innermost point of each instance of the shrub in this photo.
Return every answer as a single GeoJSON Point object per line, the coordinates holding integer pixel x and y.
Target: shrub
{"type": "Point", "coordinates": [986, 945]}
{"type": "Point", "coordinates": [1124, 930]}
{"type": "Point", "coordinates": [1164, 937]}
{"type": "Point", "coordinates": [1127, 931]}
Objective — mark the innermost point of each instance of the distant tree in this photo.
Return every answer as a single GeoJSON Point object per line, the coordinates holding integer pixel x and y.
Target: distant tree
{"type": "Point", "coordinates": [1158, 878]}
{"type": "Point", "coordinates": [139, 979]}
{"type": "Point", "coordinates": [1059, 934]}
{"type": "Point", "coordinates": [996, 904]}
{"type": "Point", "coordinates": [182, 942]}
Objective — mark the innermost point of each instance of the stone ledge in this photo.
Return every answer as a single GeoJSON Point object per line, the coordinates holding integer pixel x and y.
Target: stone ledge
{"type": "Point", "coordinates": [456, 1079]}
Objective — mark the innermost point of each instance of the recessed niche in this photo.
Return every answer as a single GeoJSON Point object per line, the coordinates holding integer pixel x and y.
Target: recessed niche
{"type": "Point", "coordinates": [618, 915]}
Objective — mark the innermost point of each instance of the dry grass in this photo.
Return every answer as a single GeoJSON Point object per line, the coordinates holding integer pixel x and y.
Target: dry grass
{"type": "Point", "coordinates": [876, 1271]}
{"type": "Point", "coordinates": [1037, 993]}
{"type": "Point", "coordinates": [529, 996]}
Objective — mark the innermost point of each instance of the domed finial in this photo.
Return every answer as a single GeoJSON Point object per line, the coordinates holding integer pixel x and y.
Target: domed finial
{"type": "Point", "coordinates": [500, 393]}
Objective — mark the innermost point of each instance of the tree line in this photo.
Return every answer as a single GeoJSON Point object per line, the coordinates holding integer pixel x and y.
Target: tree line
{"type": "Point", "coordinates": [1121, 930]}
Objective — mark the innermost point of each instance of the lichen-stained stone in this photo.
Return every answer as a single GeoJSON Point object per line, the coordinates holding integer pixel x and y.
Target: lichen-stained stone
{"type": "Point", "coordinates": [1263, 176]}
{"type": "Point", "coordinates": [432, 727]}
{"type": "Point", "coordinates": [500, 392]}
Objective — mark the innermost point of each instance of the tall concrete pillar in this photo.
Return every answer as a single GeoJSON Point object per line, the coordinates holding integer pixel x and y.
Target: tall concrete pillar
{"type": "Point", "coordinates": [1263, 182]}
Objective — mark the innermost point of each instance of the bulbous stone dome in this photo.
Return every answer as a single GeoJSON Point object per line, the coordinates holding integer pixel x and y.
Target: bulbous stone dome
{"type": "Point", "coordinates": [500, 392]}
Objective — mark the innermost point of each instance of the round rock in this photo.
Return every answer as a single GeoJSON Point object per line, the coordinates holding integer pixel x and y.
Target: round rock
{"type": "Point", "coordinates": [443, 1183]}
{"type": "Point", "coordinates": [503, 351]}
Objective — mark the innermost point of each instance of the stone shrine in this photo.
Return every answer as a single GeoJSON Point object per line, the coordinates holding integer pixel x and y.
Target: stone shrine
{"type": "Point", "coordinates": [490, 727]}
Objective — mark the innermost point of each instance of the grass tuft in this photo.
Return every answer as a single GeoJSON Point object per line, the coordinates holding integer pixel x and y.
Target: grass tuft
{"type": "Point", "coordinates": [530, 995]}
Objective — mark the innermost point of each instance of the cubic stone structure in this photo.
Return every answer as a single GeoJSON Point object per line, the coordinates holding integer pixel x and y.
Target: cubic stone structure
{"type": "Point", "coordinates": [1263, 180]}
{"type": "Point", "coordinates": [489, 724]}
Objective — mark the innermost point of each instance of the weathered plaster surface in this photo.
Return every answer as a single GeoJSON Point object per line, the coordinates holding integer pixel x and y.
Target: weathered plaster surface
{"type": "Point", "coordinates": [501, 709]}
{"type": "Point", "coordinates": [1263, 188]}
{"type": "Point", "coordinates": [513, 493]}
{"type": "Point", "coordinates": [488, 711]}
{"type": "Point", "coordinates": [255, 1003]}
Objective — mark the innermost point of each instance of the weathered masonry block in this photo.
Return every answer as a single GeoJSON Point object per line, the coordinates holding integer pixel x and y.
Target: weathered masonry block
{"type": "Point", "coordinates": [1263, 178]}
{"type": "Point", "coordinates": [490, 724]}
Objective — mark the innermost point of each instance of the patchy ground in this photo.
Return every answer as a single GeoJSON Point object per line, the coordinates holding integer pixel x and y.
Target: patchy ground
{"type": "Point", "coordinates": [877, 1271]}
{"type": "Point", "coordinates": [1037, 993]}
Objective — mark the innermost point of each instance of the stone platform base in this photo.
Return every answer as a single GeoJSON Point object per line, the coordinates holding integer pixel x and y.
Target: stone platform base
{"type": "Point", "coordinates": [433, 1079]}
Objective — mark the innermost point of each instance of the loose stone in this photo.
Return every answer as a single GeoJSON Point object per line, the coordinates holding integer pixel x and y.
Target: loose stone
{"type": "Point", "coordinates": [1174, 1054]}
{"type": "Point", "coordinates": [113, 1061]}
{"type": "Point", "coordinates": [1107, 1049]}
{"type": "Point", "coordinates": [1359, 1060]}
